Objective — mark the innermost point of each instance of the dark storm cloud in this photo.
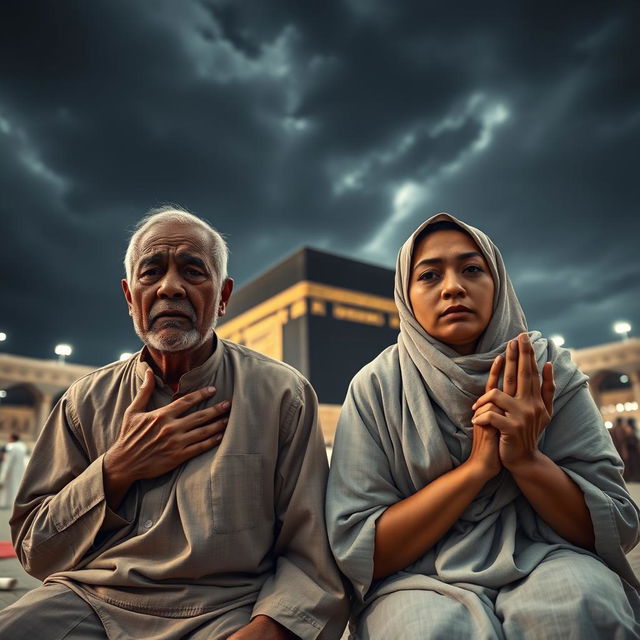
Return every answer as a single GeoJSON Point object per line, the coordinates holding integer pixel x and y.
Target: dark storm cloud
{"type": "Point", "coordinates": [336, 124]}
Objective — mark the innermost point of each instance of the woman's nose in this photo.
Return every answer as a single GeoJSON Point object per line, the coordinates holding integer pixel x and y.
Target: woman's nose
{"type": "Point", "coordinates": [452, 287]}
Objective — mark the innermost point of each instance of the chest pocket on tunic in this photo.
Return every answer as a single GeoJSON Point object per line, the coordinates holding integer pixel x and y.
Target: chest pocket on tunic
{"type": "Point", "coordinates": [236, 492]}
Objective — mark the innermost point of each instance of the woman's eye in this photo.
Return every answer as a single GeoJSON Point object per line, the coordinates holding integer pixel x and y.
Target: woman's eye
{"type": "Point", "coordinates": [427, 275]}
{"type": "Point", "coordinates": [472, 268]}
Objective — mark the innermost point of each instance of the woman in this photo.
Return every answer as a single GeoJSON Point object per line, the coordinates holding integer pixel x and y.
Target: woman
{"type": "Point", "coordinates": [470, 497]}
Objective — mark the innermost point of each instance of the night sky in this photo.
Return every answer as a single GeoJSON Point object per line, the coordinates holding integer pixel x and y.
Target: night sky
{"type": "Point", "coordinates": [339, 125]}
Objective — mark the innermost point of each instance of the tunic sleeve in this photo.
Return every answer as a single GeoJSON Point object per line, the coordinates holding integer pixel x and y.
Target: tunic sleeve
{"type": "Point", "coordinates": [361, 483]}
{"type": "Point", "coordinates": [578, 442]}
{"type": "Point", "coordinates": [306, 593]}
{"type": "Point", "coordinates": [61, 506]}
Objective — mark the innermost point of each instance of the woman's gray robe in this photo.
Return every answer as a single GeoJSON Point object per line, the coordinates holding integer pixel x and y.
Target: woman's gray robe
{"type": "Point", "coordinates": [405, 422]}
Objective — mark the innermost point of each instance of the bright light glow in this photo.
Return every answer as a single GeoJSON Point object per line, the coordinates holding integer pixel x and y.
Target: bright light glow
{"type": "Point", "coordinates": [630, 406]}
{"type": "Point", "coordinates": [63, 350]}
{"type": "Point", "coordinates": [624, 378]}
{"type": "Point", "coordinates": [3, 336]}
{"type": "Point", "coordinates": [620, 407]}
{"type": "Point", "coordinates": [3, 393]}
{"type": "Point", "coordinates": [608, 424]}
{"type": "Point", "coordinates": [558, 340]}
{"type": "Point", "coordinates": [125, 355]}
{"type": "Point", "coordinates": [622, 328]}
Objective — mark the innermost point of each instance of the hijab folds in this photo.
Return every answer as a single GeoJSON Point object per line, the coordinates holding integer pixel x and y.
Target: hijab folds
{"type": "Point", "coordinates": [452, 381]}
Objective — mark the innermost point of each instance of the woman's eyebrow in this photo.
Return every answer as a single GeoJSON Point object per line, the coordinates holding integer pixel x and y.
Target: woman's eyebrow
{"type": "Point", "coordinates": [459, 257]}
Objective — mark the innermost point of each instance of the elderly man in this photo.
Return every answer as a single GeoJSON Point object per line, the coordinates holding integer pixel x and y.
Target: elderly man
{"type": "Point", "coordinates": [178, 494]}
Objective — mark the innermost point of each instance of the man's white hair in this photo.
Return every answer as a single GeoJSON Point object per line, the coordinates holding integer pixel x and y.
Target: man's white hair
{"type": "Point", "coordinates": [175, 213]}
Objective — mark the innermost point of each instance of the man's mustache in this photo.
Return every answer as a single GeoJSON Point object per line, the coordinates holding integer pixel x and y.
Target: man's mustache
{"type": "Point", "coordinates": [172, 307]}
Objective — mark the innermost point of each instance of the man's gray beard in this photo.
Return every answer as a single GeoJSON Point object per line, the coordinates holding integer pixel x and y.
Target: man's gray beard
{"type": "Point", "coordinates": [178, 342]}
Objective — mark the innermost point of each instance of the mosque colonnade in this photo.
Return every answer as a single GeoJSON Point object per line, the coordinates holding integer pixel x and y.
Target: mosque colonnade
{"type": "Point", "coordinates": [44, 381]}
{"type": "Point", "coordinates": [47, 380]}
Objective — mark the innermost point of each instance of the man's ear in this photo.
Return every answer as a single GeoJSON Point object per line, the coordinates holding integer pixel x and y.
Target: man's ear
{"type": "Point", "coordinates": [225, 294]}
{"type": "Point", "coordinates": [127, 294]}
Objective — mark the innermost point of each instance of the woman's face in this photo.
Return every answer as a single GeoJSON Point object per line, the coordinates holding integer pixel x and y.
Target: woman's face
{"type": "Point", "coordinates": [451, 289]}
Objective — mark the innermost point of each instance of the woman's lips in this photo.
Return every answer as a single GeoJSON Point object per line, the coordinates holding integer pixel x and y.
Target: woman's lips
{"type": "Point", "coordinates": [457, 311]}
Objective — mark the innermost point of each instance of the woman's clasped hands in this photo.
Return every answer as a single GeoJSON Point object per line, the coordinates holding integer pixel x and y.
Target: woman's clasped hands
{"type": "Point", "coordinates": [507, 423]}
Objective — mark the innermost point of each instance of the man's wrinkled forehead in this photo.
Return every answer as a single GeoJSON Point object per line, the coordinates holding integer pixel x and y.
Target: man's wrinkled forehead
{"type": "Point", "coordinates": [157, 256]}
{"type": "Point", "coordinates": [187, 241]}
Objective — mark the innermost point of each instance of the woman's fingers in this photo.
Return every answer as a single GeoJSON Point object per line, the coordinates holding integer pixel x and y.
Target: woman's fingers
{"type": "Point", "coordinates": [495, 420]}
{"type": "Point", "coordinates": [535, 377]}
{"type": "Point", "coordinates": [524, 365]}
{"type": "Point", "coordinates": [499, 398]}
{"type": "Point", "coordinates": [494, 374]}
{"type": "Point", "coordinates": [489, 406]}
{"type": "Point", "coordinates": [510, 381]}
{"type": "Point", "coordinates": [535, 383]}
{"type": "Point", "coordinates": [548, 387]}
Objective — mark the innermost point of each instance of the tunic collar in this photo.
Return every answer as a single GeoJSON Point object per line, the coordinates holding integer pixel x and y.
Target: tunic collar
{"type": "Point", "coordinates": [192, 380]}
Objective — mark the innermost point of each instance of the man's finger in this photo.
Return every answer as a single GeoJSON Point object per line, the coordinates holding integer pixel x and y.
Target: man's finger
{"type": "Point", "coordinates": [510, 381]}
{"type": "Point", "coordinates": [494, 374]}
{"type": "Point", "coordinates": [204, 416]}
{"type": "Point", "coordinates": [145, 392]}
{"type": "Point", "coordinates": [183, 404]}
{"type": "Point", "coordinates": [205, 432]}
{"type": "Point", "coordinates": [202, 445]}
{"type": "Point", "coordinates": [548, 387]}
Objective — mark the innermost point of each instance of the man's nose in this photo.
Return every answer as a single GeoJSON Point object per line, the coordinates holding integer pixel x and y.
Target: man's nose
{"type": "Point", "coordinates": [171, 286]}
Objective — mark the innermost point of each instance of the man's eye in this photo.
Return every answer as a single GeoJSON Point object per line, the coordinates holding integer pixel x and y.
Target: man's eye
{"type": "Point", "coordinates": [195, 273]}
{"type": "Point", "coordinates": [149, 273]}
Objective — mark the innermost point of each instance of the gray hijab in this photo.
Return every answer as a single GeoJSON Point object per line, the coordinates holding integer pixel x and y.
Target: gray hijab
{"type": "Point", "coordinates": [452, 381]}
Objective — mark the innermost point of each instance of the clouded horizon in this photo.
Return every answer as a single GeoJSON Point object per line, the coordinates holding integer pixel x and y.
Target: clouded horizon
{"type": "Point", "coordinates": [337, 125]}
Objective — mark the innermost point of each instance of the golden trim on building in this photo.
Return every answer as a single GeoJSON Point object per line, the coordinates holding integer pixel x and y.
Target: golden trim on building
{"type": "Point", "coordinates": [352, 314]}
{"type": "Point", "coordinates": [318, 308]}
{"type": "Point", "coordinates": [294, 299]}
{"type": "Point", "coordinates": [298, 308]}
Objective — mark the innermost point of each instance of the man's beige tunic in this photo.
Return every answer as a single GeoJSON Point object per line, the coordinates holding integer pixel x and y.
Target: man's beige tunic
{"type": "Point", "coordinates": [242, 523]}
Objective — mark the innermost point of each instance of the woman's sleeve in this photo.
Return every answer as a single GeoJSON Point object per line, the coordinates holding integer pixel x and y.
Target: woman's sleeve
{"type": "Point", "coordinates": [361, 484]}
{"type": "Point", "coordinates": [578, 442]}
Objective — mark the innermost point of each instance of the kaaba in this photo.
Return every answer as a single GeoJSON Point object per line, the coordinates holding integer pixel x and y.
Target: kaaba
{"type": "Point", "coordinates": [323, 314]}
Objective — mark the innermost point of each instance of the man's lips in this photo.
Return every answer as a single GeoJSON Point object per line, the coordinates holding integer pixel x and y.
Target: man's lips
{"type": "Point", "coordinates": [455, 309]}
{"type": "Point", "coordinates": [171, 315]}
